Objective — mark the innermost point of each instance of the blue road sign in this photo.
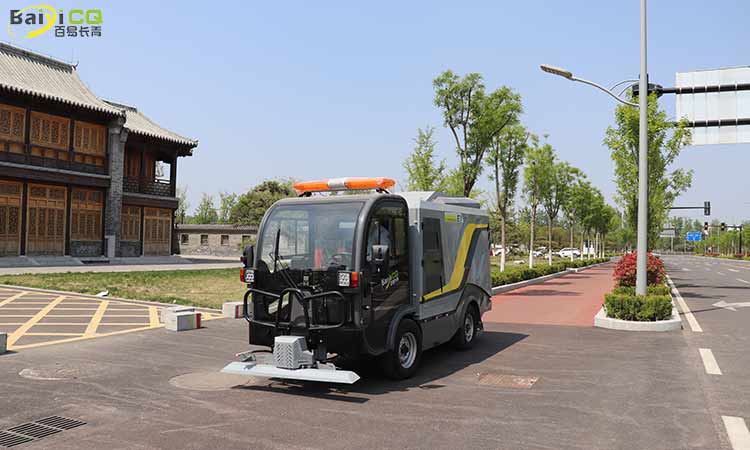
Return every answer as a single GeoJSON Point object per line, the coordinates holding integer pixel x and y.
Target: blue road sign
{"type": "Point", "coordinates": [694, 236]}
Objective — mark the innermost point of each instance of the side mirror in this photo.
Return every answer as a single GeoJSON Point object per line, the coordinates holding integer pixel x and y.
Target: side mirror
{"type": "Point", "coordinates": [248, 256]}
{"type": "Point", "coordinates": [380, 255]}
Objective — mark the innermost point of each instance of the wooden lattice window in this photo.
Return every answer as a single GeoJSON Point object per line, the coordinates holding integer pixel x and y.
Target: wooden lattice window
{"type": "Point", "coordinates": [49, 132]}
{"type": "Point", "coordinates": [86, 215]}
{"type": "Point", "coordinates": [10, 218]}
{"type": "Point", "coordinates": [130, 223]}
{"type": "Point", "coordinates": [89, 143]}
{"type": "Point", "coordinates": [12, 128]}
{"type": "Point", "coordinates": [46, 220]}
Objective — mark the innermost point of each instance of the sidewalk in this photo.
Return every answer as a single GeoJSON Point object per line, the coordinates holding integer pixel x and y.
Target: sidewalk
{"type": "Point", "coordinates": [573, 300]}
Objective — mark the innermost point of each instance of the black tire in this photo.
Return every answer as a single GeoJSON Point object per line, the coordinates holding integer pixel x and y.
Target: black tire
{"type": "Point", "coordinates": [403, 361]}
{"type": "Point", "coordinates": [466, 334]}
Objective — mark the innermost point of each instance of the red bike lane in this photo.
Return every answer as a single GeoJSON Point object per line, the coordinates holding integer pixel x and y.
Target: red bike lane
{"type": "Point", "coordinates": [573, 300]}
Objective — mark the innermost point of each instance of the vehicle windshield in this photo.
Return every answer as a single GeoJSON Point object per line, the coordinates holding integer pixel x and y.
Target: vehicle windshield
{"type": "Point", "coordinates": [311, 237]}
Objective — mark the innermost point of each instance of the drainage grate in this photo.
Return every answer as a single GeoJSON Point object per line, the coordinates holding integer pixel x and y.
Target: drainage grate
{"type": "Point", "coordinates": [506, 381]}
{"type": "Point", "coordinates": [34, 430]}
{"type": "Point", "coordinates": [60, 422]}
{"type": "Point", "coordinates": [27, 432]}
{"type": "Point", "coordinates": [11, 440]}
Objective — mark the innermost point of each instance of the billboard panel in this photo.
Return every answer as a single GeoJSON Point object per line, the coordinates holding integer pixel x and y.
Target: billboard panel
{"type": "Point", "coordinates": [711, 106]}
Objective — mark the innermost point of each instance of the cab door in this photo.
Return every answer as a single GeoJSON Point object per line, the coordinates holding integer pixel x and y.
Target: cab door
{"type": "Point", "coordinates": [388, 281]}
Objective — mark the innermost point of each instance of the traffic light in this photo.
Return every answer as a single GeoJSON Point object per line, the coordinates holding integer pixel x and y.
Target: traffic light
{"type": "Point", "coordinates": [723, 227]}
{"type": "Point", "coordinates": [706, 208]}
{"type": "Point", "coordinates": [705, 227]}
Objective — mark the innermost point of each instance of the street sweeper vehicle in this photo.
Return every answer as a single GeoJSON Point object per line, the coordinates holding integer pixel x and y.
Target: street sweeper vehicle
{"type": "Point", "coordinates": [373, 274]}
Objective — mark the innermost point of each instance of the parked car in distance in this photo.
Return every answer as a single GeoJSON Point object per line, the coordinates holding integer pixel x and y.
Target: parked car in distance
{"type": "Point", "coordinates": [568, 252]}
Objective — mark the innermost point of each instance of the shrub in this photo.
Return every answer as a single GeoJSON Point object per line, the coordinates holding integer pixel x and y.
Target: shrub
{"type": "Point", "coordinates": [625, 270]}
{"type": "Point", "coordinates": [656, 289]}
{"type": "Point", "coordinates": [642, 308]}
{"type": "Point", "coordinates": [514, 274]}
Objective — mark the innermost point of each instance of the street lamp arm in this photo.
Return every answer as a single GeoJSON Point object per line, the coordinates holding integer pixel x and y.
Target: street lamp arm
{"type": "Point", "coordinates": [623, 82]}
{"type": "Point", "coordinates": [602, 88]}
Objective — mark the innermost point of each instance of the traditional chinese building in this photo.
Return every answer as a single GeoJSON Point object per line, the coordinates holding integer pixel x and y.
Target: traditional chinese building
{"type": "Point", "coordinates": [79, 175]}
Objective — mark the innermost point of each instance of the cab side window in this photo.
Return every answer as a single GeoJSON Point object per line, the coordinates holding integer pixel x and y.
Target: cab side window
{"type": "Point", "coordinates": [388, 226]}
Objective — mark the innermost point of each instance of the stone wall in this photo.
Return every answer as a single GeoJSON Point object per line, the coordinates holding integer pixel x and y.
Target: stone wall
{"type": "Point", "coordinates": [212, 244]}
{"type": "Point", "coordinates": [130, 248]}
{"type": "Point", "coordinates": [85, 248]}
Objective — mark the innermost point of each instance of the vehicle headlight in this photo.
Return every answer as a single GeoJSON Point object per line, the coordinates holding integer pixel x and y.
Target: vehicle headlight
{"type": "Point", "coordinates": [345, 279]}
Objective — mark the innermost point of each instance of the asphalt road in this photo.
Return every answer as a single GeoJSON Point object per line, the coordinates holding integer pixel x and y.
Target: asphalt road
{"type": "Point", "coordinates": [522, 387]}
{"type": "Point", "coordinates": [710, 286]}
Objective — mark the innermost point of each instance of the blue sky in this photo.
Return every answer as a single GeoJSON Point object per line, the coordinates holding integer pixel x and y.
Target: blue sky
{"type": "Point", "coordinates": [328, 89]}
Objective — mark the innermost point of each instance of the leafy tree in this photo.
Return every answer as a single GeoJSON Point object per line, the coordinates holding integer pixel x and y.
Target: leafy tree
{"type": "Point", "coordinates": [539, 163]}
{"type": "Point", "coordinates": [581, 206]}
{"type": "Point", "coordinates": [182, 205]}
{"type": "Point", "coordinates": [424, 173]}
{"type": "Point", "coordinates": [227, 200]}
{"type": "Point", "coordinates": [474, 118]}
{"type": "Point", "coordinates": [665, 142]}
{"type": "Point", "coordinates": [556, 193]}
{"type": "Point", "coordinates": [505, 157]}
{"type": "Point", "coordinates": [206, 212]}
{"type": "Point", "coordinates": [252, 205]}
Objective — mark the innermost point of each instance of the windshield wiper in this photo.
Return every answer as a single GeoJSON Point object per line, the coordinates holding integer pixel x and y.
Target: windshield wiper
{"type": "Point", "coordinates": [276, 261]}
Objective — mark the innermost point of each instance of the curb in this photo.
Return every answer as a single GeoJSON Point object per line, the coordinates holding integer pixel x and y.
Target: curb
{"type": "Point", "coordinates": [512, 286]}
{"type": "Point", "coordinates": [672, 324]}
{"type": "Point", "coordinates": [94, 297]}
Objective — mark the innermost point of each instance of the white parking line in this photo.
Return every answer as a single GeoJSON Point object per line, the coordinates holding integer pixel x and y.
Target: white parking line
{"type": "Point", "coordinates": [719, 273]}
{"type": "Point", "coordinates": [709, 362]}
{"type": "Point", "coordinates": [732, 270]}
{"type": "Point", "coordinates": [685, 309]}
{"type": "Point", "coordinates": [743, 281]}
{"type": "Point", "coordinates": [739, 435]}
{"type": "Point", "coordinates": [686, 269]}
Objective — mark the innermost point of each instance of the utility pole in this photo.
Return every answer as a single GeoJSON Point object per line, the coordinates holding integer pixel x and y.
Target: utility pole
{"type": "Point", "coordinates": [641, 274]}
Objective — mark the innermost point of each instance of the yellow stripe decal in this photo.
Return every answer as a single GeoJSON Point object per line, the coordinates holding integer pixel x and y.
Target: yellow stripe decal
{"type": "Point", "coordinates": [458, 268]}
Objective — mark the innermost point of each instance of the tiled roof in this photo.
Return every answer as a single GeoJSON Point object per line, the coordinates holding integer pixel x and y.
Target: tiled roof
{"type": "Point", "coordinates": [136, 122]}
{"type": "Point", "coordinates": [33, 74]}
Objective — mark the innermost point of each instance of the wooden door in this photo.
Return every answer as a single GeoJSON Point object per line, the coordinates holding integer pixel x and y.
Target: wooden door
{"type": "Point", "coordinates": [157, 231]}
{"type": "Point", "coordinates": [46, 220]}
{"type": "Point", "coordinates": [10, 218]}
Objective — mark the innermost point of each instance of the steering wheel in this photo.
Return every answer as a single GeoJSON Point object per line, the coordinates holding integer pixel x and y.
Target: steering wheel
{"type": "Point", "coordinates": [336, 258]}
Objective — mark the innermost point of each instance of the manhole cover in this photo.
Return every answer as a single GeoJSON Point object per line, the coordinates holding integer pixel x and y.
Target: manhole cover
{"type": "Point", "coordinates": [212, 381]}
{"type": "Point", "coordinates": [60, 371]}
{"type": "Point", "coordinates": [506, 381]}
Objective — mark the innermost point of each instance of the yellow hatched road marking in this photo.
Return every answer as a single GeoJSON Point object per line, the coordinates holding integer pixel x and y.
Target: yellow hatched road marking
{"type": "Point", "coordinates": [63, 308]}
{"type": "Point", "coordinates": [16, 316]}
{"type": "Point", "coordinates": [11, 323]}
{"type": "Point", "coordinates": [125, 324]}
{"type": "Point", "coordinates": [63, 324]}
{"type": "Point", "coordinates": [153, 315]}
{"type": "Point", "coordinates": [53, 334]}
{"type": "Point", "coordinates": [68, 316]}
{"type": "Point", "coordinates": [31, 322]}
{"type": "Point", "coordinates": [11, 298]}
{"type": "Point", "coordinates": [16, 308]}
{"type": "Point", "coordinates": [96, 318]}
{"type": "Point", "coordinates": [80, 338]}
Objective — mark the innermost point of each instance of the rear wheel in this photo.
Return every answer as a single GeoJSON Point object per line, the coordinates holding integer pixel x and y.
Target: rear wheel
{"type": "Point", "coordinates": [402, 362]}
{"type": "Point", "coordinates": [467, 333]}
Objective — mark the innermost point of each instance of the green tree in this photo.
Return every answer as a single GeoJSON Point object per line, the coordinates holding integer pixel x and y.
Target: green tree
{"type": "Point", "coordinates": [206, 212]}
{"type": "Point", "coordinates": [555, 194]}
{"type": "Point", "coordinates": [505, 157]}
{"type": "Point", "coordinates": [665, 142]}
{"type": "Point", "coordinates": [182, 205]}
{"type": "Point", "coordinates": [424, 173]}
{"type": "Point", "coordinates": [227, 200]}
{"type": "Point", "coordinates": [252, 205]}
{"type": "Point", "coordinates": [539, 163]}
{"type": "Point", "coordinates": [474, 118]}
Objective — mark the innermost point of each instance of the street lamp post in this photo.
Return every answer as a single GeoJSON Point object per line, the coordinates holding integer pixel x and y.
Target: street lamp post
{"type": "Point", "coordinates": [641, 281]}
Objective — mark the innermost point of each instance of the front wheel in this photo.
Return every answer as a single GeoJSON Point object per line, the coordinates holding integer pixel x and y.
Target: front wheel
{"type": "Point", "coordinates": [402, 362]}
